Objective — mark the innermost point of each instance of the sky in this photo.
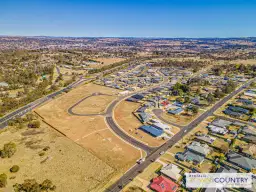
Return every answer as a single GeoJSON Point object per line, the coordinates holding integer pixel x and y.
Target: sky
{"type": "Point", "coordinates": [128, 18]}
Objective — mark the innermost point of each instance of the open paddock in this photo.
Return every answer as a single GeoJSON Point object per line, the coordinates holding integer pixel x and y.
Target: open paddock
{"type": "Point", "coordinates": [109, 61]}
{"type": "Point", "coordinates": [91, 132]}
{"type": "Point", "coordinates": [69, 166]}
{"type": "Point", "coordinates": [94, 104]}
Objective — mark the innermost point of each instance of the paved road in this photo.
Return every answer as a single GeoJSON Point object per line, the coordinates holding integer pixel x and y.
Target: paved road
{"type": "Point", "coordinates": [128, 138]}
{"type": "Point", "coordinates": [27, 108]}
{"type": "Point", "coordinates": [134, 171]}
{"type": "Point", "coordinates": [70, 110]}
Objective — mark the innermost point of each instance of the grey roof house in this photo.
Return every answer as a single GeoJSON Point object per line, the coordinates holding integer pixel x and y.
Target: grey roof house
{"type": "Point", "coordinates": [241, 161]}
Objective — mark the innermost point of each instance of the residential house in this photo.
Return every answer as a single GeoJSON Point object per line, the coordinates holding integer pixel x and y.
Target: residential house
{"type": "Point", "coordinates": [250, 93]}
{"type": "Point", "coordinates": [247, 131]}
{"type": "Point", "coordinates": [162, 184]}
{"type": "Point", "coordinates": [176, 111]}
{"type": "Point", "coordinates": [201, 149]}
{"type": "Point", "coordinates": [155, 132]}
{"type": "Point", "coordinates": [217, 130]}
{"type": "Point", "coordinates": [206, 138]}
{"type": "Point", "coordinates": [233, 114]}
{"type": "Point", "coordinates": [172, 171]}
{"type": "Point", "coordinates": [189, 156]}
{"type": "Point", "coordinates": [222, 169]}
{"type": "Point", "coordinates": [195, 152]}
{"type": "Point", "coordinates": [221, 123]}
{"type": "Point", "coordinates": [144, 117]}
{"type": "Point", "coordinates": [4, 84]}
{"type": "Point", "coordinates": [250, 139]}
{"type": "Point", "coordinates": [238, 109]}
{"type": "Point", "coordinates": [245, 101]}
{"type": "Point", "coordinates": [160, 125]}
{"type": "Point", "coordinates": [241, 161]}
{"type": "Point", "coordinates": [142, 109]}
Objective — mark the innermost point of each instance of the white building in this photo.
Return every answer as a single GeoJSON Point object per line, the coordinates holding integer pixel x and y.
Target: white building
{"type": "Point", "coordinates": [217, 130]}
{"type": "Point", "coordinates": [172, 171]}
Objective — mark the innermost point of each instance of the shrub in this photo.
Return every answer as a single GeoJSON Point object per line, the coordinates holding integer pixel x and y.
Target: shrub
{"type": "Point", "coordinates": [46, 148]}
{"type": "Point", "coordinates": [14, 168]}
{"type": "Point", "coordinates": [47, 185]}
{"type": "Point", "coordinates": [31, 185]}
{"type": "Point", "coordinates": [3, 180]}
{"type": "Point", "coordinates": [8, 150]}
{"type": "Point", "coordinates": [34, 124]}
{"type": "Point", "coordinates": [42, 153]}
{"type": "Point", "coordinates": [28, 185]}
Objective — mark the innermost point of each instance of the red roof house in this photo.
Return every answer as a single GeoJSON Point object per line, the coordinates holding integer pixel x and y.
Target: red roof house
{"type": "Point", "coordinates": [165, 103]}
{"type": "Point", "coordinates": [162, 184]}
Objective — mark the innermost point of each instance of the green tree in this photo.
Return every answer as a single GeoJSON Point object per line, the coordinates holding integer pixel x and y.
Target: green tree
{"type": "Point", "coordinates": [210, 98]}
{"type": "Point", "coordinates": [30, 185]}
{"type": "Point", "coordinates": [195, 109]}
{"type": "Point", "coordinates": [218, 93]}
{"type": "Point", "coordinates": [186, 100]}
{"type": "Point", "coordinates": [14, 168]}
{"type": "Point", "coordinates": [8, 150]}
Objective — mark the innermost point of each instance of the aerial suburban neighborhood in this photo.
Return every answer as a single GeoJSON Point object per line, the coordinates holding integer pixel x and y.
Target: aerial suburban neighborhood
{"type": "Point", "coordinates": [128, 96]}
{"type": "Point", "coordinates": [143, 122]}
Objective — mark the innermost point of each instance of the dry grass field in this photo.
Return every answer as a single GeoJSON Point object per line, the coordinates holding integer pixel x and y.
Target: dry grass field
{"type": "Point", "coordinates": [129, 123]}
{"type": "Point", "coordinates": [181, 119]}
{"type": "Point", "coordinates": [66, 71]}
{"type": "Point", "coordinates": [93, 105]}
{"type": "Point", "coordinates": [92, 133]}
{"type": "Point", "coordinates": [109, 61]}
{"type": "Point", "coordinates": [69, 166]}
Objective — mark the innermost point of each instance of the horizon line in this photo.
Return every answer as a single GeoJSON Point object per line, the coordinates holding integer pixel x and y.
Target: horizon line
{"type": "Point", "coordinates": [135, 37]}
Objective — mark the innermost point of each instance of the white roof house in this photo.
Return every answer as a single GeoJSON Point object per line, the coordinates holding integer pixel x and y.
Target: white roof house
{"type": "Point", "coordinates": [124, 92]}
{"type": "Point", "coordinates": [206, 138]}
{"type": "Point", "coordinates": [218, 130]}
{"type": "Point", "coordinates": [4, 84]}
{"type": "Point", "coordinates": [202, 149]}
{"type": "Point", "coordinates": [172, 171]}
{"type": "Point", "coordinates": [164, 127]}
{"type": "Point", "coordinates": [250, 93]}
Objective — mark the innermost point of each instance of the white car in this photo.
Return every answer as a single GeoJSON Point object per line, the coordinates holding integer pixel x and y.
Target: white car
{"type": "Point", "coordinates": [140, 161]}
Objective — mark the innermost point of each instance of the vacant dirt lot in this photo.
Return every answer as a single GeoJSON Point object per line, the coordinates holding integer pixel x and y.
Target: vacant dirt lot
{"type": "Point", "coordinates": [93, 105]}
{"type": "Point", "coordinates": [69, 166]}
{"type": "Point", "coordinates": [127, 121]}
{"type": "Point", "coordinates": [92, 133]}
